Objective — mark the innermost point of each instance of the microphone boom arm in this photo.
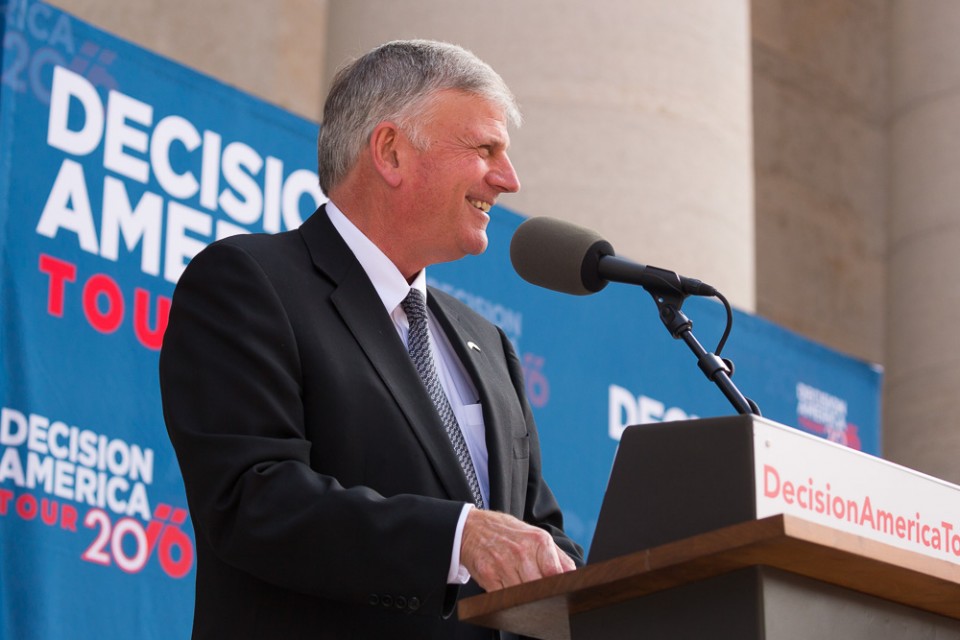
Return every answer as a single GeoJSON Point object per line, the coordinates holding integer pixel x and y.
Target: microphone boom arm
{"type": "Point", "coordinates": [579, 261]}
{"type": "Point", "coordinates": [669, 299]}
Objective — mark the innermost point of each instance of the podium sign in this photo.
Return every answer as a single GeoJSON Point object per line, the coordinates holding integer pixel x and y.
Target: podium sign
{"type": "Point", "coordinates": [796, 474]}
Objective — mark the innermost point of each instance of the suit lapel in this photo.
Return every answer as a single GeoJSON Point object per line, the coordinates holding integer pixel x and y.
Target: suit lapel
{"type": "Point", "coordinates": [481, 370]}
{"type": "Point", "coordinates": [362, 311]}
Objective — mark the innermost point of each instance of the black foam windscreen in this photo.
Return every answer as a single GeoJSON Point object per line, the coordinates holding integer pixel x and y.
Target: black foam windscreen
{"type": "Point", "coordinates": [559, 255]}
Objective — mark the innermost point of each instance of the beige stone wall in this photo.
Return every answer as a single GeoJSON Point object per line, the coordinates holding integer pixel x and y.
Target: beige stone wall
{"type": "Point", "coordinates": [271, 49]}
{"type": "Point", "coordinates": [856, 114]}
{"type": "Point", "coordinates": [923, 306]}
{"type": "Point", "coordinates": [820, 127]}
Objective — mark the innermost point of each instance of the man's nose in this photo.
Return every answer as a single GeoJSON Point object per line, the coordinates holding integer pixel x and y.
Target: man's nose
{"type": "Point", "coordinates": [503, 176]}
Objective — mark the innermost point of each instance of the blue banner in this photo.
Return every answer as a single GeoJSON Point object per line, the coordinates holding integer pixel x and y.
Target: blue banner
{"type": "Point", "coordinates": [116, 167]}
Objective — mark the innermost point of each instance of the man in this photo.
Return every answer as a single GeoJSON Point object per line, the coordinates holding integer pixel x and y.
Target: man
{"type": "Point", "coordinates": [320, 457]}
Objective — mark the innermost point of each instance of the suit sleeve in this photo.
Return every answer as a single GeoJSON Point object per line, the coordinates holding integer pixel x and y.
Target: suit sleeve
{"type": "Point", "coordinates": [540, 505]}
{"type": "Point", "coordinates": [230, 379]}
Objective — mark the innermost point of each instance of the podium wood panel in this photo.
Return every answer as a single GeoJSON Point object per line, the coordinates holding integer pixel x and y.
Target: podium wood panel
{"type": "Point", "coordinates": [542, 609]}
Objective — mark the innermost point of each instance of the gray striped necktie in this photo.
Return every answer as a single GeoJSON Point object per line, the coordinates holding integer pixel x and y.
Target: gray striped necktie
{"type": "Point", "coordinates": [418, 344]}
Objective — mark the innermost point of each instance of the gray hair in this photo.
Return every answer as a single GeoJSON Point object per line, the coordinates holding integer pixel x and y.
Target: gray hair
{"type": "Point", "coordinates": [396, 82]}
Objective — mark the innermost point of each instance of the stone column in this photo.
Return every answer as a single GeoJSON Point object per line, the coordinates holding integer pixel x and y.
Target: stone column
{"type": "Point", "coordinates": [637, 112]}
{"type": "Point", "coordinates": [270, 49]}
{"type": "Point", "coordinates": [820, 92]}
{"type": "Point", "coordinates": [923, 297]}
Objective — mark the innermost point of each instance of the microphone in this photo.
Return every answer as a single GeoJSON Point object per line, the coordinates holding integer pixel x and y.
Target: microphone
{"type": "Point", "coordinates": [564, 257]}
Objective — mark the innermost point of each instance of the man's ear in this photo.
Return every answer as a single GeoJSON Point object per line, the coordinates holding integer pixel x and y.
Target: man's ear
{"type": "Point", "coordinates": [385, 152]}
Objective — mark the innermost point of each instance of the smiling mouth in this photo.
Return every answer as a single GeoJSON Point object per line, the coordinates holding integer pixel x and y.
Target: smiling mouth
{"type": "Point", "coordinates": [480, 204]}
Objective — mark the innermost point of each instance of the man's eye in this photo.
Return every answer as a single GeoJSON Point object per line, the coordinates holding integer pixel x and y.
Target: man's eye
{"type": "Point", "coordinates": [485, 151]}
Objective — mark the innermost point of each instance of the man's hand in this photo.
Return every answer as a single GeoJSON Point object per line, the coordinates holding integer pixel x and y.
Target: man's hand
{"type": "Point", "coordinates": [500, 551]}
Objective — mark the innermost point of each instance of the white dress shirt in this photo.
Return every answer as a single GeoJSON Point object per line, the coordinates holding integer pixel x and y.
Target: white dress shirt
{"type": "Point", "coordinates": [392, 288]}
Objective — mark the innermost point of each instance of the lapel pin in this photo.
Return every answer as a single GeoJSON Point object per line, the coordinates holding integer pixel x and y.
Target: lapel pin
{"type": "Point", "coordinates": [473, 345]}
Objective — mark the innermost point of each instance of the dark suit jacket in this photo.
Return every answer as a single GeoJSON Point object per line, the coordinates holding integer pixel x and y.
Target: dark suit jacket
{"type": "Point", "coordinates": [323, 490]}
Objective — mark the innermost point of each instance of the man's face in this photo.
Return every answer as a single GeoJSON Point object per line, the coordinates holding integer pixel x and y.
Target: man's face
{"type": "Point", "coordinates": [459, 176]}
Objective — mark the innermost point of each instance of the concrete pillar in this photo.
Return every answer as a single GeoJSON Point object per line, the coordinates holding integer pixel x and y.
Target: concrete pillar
{"type": "Point", "coordinates": [273, 50]}
{"type": "Point", "coordinates": [637, 112]}
{"type": "Point", "coordinates": [922, 422]}
{"type": "Point", "coordinates": [820, 92]}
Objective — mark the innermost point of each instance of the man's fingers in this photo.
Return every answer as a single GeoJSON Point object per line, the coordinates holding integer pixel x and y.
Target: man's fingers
{"type": "Point", "coordinates": [532, 567]}
{"type": "Point", "coordinates": [500, 551]}
{"type": "Point", "coordinates": [549, 559]}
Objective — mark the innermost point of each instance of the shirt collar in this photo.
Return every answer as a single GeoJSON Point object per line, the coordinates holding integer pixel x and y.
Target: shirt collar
{"type": "Point", "coordinates": [389, 283]}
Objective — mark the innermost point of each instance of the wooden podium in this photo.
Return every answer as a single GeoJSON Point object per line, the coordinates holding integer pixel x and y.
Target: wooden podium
{"type": "Point", "coordinates": [714, 529]}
